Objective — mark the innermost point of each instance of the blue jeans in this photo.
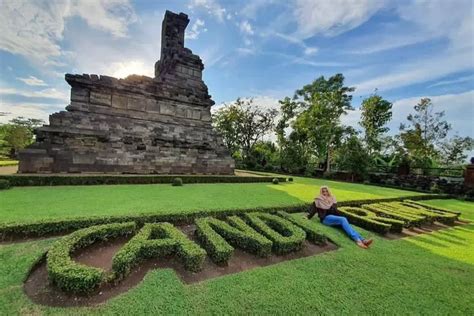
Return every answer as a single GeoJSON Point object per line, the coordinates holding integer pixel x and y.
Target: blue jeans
{"type": "Point", "coordinates": [333, 220]}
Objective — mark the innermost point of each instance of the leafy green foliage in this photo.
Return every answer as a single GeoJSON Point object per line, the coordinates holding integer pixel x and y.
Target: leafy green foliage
{"type": "Point", "coordinates": [376, 113]}
{"type": "Point", "coordinates": [313, 235]}
{"type": "Point", "coordinates": [215, 235]}
{"type": "Point", "coordinates": [369, 220]}
{"type": "Point", "coordinates": [4, 184]}
{"type": "Point", "coordinates": [74, 277]}
{"type": "Point", "coordinates": [435, 270]}
{"type": "Point", "coordinates": [426, 130]}
{"type": "Point", "coordinates": [286, 236]}
{"type": "Point", "coordinates": [351, 156]}
{"type": "Point", "coordinates": [16, 135]}
{"type": "Point", "coordinates": [177, 182]}
{"type": "Point", "coordinates": [275, 181]}
{"type": "Point", "coordinates": [49, 180]}
{"type": "Point", "coordinates": [157, 240]}
{"type": "Point", "coordinates": [242, 124]}
{"type": "Point", "coordinates": [411, 213]}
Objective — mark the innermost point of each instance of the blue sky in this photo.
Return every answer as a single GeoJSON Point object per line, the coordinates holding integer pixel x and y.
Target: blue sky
{"type": "Point", "coordinates": [262, 48]}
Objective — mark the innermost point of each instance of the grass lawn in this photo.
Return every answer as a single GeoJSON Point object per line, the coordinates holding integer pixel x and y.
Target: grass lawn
{"type": "Point", "coordinates": [4, 163]}
{"type": "Point", "coordinates": [34, 203]}
{"type": "Point", "coordinates": [428, 274]}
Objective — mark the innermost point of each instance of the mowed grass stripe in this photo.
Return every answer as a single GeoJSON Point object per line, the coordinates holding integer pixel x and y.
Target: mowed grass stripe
{"type": "Point", "coordinates": [39, 203]}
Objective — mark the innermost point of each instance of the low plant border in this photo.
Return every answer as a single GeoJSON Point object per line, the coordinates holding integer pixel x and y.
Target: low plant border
{"type": "Point", "coordinates": [286, 236]}
{"type": "Point", "coordinates": [220, 237]}
{"type": "Point", "coordinates": [55, 180]}
{"type": "Point", "coordinates": [157, 240]}
{"type": "Point", "coordinates": [18, 230]}
{"type": "Point", "coordinates": [71, 276]}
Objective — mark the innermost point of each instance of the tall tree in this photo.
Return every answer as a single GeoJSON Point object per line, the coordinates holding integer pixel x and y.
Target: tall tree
{"type": "Point", "coordinates": [426, 131]}
{"type": "Point", "coordinates": [453, 151]}
{"type": "Point", "coordinates": [376, 113]}
{"type": "Point", "coordinates": [353, 157]}
{"type": "Point", "coordinates": [321, 105]}
{"type": "Point", "coordinates": [243, 123]}
{"type": "Point", "coordinates": [17, 134]}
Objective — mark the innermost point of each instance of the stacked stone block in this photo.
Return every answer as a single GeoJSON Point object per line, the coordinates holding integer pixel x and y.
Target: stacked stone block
{"type": "Point", "coordinates": [158, 125]}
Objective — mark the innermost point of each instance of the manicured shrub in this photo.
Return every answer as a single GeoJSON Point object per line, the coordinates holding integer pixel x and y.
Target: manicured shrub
{"type": "Point", "coordinates": [286, 236]}
{"type": "Point", "coordinates": [432, 208]}
{"type": "Point", "coordinates": [384, 211]}
{"type": "Point", "coordinates": [290, 179]}
{"type": "Point", "coordinates": [4, 184]}
{"type": "Point", "coordinates": [219, 237]}
{"type": "Point", "coordinates": [438, 215]}
{"type": "Point", "coordinates": [275, 181]}
{"type": "Point", "coordinates": [177, 182]}
{"type": "Point", "coordinates": [54, 226]}
{"type": "Point", "coordinates": [157, 240]}
{"type": "Point", "coordinates": [425, 217]}
{"type": "Point", "coordinates": [48, 226]}
{"type": "Point", "coordinates": [74, 277]}
{"type": "Point", "coordinates": [312, 233]}
{"type": "Point", "coordinates": [49, 180]}
{"type": "Point", "coordinates": [370, 221]}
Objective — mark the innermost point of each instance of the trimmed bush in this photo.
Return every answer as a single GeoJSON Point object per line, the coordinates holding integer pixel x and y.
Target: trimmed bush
{"type": "Point", "coordinates": [219, 237]}
{"type": "Point", "coordinates": [4, 184]}
{"type": "Point", "coordinates": [55, 226]}
{"type": "Point", "coordinates": [47, 180]}
{"type": "Point", "coordinates": [425, 217]}
{"type": "Point", "coordinates": [177, 182]}
{"type": "Point", "coordinates": [384, 211]}
{"type": "Point", "coordinates": [440, 216]}
{"type": "Point", "coordinates": [157, 240]}
{"type": "Point", "coordinates": [48, 226]}
{"type": "Point", "coordinates": [436, 209]}
{"type": "Point", "coordinates": [312, 233]}
{"type": "Point", "coordinates": [275, 181]}
{"type": "Point", "coordinates": [74, 277]}
{"type": "Point", "coordinates": [370, 221]}
{"type": "Point", "coordinates": [285, 235]}
{"type": "Point", "coordinates": [290, 179]}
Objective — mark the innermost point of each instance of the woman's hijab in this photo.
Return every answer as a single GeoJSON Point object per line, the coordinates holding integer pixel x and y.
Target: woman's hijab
{"type": "Point", "coordinates": [323, 201]}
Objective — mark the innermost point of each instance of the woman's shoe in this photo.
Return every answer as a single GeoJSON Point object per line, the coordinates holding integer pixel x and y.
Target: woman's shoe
{"type": "Point", "coordinates": [361, 244]}
{"type": "Point", "coordinates": [367, 242]}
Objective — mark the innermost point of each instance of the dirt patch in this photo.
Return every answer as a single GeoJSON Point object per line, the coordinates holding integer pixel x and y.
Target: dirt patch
{"type": "Point", "coordinates": [424, 229]}
{"type": "Point", "coordinates": [8, 169]}
{"type": "Point", "coordinates": [40, 291]}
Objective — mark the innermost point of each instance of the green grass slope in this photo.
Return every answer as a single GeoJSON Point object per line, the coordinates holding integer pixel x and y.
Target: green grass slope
{"type": "Point", "coordinates": [35, 203]}
{"type": "Point", "coordinates": [428, 274]}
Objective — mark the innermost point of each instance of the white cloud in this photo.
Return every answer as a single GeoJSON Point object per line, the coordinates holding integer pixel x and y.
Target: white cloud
{"type": "Point", "coordinates": [310, 50]}
{"type": "Point", "coordinates": [34, 28]}
{"type": "Point", "coordinates": [417, 71]}
{"type": "Point", "coordinates": [50, 93]}
{"type": "Point", "coordinates": [32, 81]}
{"type": "Point", "coordinates": [307, 50]}
{"type": "Point", "coordinates": [332, 17]}
{"type": "Point", "coordinates": [29, 110]}
{"type": "Point", "coordinates": [246, 51]}
{"type": "Point", "coordinates": [252, 7]}
{"type": "Point", "coordinates": [133, 67]}
{"type": "Point", "coordinates": [451, 19]}
{"type": "Point", "coordinates": [211, 6]}
{"type": "Point", "coordinates": [449, 82]}
{"type": "Point", "coordinates": [457, 107]}
{"type": "Point", "coordinates": [246, 28]}
{"type": "Point", "coordinates": [197, 28]}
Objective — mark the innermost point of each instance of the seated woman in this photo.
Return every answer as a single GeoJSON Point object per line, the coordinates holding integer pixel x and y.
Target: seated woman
{"type": "Point", "coordinates": [326, 207]}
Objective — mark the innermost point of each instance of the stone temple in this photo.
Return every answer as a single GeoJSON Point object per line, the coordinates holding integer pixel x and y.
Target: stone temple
{"type": "Point", "coordinates": [143, 125]}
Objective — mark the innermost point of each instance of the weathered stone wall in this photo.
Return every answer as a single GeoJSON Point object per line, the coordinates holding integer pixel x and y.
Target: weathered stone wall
{"type": "Point", "coordinates": [138, 124]}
